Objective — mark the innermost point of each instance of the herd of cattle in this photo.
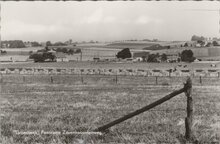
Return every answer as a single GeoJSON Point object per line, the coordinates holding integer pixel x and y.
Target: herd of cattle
{"type": "Point", "coordinates": [129, 72]}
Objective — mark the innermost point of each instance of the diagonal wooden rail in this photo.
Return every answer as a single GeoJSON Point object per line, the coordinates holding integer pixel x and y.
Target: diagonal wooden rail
{"type": "Point", "coordinates": [186, 89]}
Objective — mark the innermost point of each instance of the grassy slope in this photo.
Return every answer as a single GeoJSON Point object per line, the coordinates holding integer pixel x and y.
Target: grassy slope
{"type": "Point", "coordinates": [82, 108]}
{"type": "Point", "coordinates": [111, 65]}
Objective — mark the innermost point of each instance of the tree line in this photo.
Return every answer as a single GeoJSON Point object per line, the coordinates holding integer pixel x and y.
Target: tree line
{"type": "Point", "coordinates": [185, 56]}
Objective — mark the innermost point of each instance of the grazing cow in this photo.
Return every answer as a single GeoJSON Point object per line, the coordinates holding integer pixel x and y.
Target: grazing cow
{"type": "Point", "coordinates": [213, 65]}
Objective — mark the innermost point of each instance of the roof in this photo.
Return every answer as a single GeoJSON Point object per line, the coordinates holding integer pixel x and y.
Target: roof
{"type": "Point", "coordinates": [60, 55]}
{"type": "Point", "coordinates": [52, 51]}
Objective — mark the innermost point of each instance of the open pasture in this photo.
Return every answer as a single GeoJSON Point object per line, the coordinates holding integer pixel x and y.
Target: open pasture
{"type": "Point", "coordinates": [97, 79]}
{"type": "Point", "coordinates": [35, 107]}
{"type": "Point", "coordinates": [113, 65]}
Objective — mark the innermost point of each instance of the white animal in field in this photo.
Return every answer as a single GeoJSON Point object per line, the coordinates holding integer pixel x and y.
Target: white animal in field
{"type": "Point", "coordinates": [213, 65]}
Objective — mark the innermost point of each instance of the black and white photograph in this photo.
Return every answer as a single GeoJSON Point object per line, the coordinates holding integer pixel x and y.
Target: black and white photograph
{"type": "Point", "coordinates": [110, 72]}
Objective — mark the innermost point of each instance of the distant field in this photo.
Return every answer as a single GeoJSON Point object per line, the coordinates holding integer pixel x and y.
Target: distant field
{"type": "Point", "coordinates": [131, 45]}
{"type": "Point", "coordinates": [58, 107]}
{"type": "Point", "coordinates": [198, 52]}
{"type": "Point", "coordinates": [114, 65]}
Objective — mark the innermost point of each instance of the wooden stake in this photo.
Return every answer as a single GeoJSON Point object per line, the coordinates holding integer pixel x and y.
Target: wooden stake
{"type": "Point", "coordinates": [200, 79]}
{"type": "Point", "coordinates": [51, 79]}
{"type": "Point", "coordinates": [137, 112]}
{"type": "Point", "coordinates": [189, 118]}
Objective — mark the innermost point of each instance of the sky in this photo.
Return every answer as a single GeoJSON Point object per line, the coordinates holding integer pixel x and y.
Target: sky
{"type": "Point", "coordinates": [109, 21]}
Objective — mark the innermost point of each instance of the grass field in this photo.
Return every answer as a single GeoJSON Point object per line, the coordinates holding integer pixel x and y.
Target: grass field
{"type": "Point", "coordinates": [34, 107]}
{"type": "Point", "coordinates": [112, 65]}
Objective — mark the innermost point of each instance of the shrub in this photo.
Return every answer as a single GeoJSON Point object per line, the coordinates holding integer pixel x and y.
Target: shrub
{"type": "Point", "coordinates": [187, 56]}
{"type": "Point", "coordinates": [125, 53]}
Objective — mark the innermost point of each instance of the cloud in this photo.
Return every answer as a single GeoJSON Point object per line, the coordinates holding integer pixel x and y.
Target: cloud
{"type": "Point", "coordinates": [109, 19]}
{"type": "Point", "coordinates": [96, 17]}
{"type": "Point", "coordinates": [19, 28]}
{"type": "Point", "coordinates": [145, 20]}
{"type": "Point", "coordinates": [142, 20]}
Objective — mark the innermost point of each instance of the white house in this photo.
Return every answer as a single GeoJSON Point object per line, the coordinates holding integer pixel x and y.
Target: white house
{"type": "Point", "coordinates": [61, 57]}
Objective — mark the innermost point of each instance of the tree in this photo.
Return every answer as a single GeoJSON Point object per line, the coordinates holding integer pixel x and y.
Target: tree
{"type": "Point", "coordinates": [153, 58]}
{"type": "Point", "coordinates": [215, 43]}
{"type": "Point", "coordinates": [163, 57]}
{"type": "Point", "coordinates": [125, 53]}
{"type": "Point", "coordinates": [14, 44]}
{"type": "Point", "coordinates": [3, 52]}
{"type": "Point", "coordinates": [197, 38]}
{"type": "Point", "coordinates": [202, 43]}
{"type": "Point", "coordinates": [208, 44]}
{"type": "Point", "coordinates": [48, 56]}
{"type": "Point", "coordinates": [186, 45]}
{"type": "Point", "coordinates": [48, 43]}
{"type": "Point", "coordinates": [71, 52]}
{"type": "Point", "coordinates": [42, 56]}
{"type": "Point", "coordinates": [35, 44]}
{"type": "Point", "coordinates": [78, 51]}
{"type": "Point", "coordinates": [187, 56]}
{"type": "Point", "coordinates": [37, 57]}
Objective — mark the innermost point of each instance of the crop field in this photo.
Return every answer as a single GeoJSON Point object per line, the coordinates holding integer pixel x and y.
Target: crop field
{"type": "Point", "coordinates": [113, 65]}
{"type": "Point", "coordinates": [38, 108]}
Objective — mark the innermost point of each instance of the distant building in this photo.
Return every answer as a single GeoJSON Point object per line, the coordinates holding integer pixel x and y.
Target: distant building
{"type": "Point", "coordinates": [141, 56]}
{"type": "Point", "coordinates": [27, 44]}
{"type": "Point", "coordinates": [173, 58]}
{"type": "Point", "coordinates": [61, 57]}
{"type": "Point", "coordinates": [96, 59]}
{"type": "Point", "coordinates": [198, 45]}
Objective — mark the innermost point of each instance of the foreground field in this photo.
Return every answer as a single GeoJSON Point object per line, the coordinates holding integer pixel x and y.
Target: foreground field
{"type": "Point", "coordinates": [62, 107]}
{"type": "Point", "coordinates": [112, 65]}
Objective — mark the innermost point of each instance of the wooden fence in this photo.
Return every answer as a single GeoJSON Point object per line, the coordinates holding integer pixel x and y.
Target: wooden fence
{"type": "Point", "coordinates": [103, 71]}
{"type": "Point", "coordinates": [96, 79]}
{"type": "Point", "coordinates": [187, 89]}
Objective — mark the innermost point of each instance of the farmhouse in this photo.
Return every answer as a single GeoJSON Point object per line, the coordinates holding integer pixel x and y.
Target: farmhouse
{"type": "Point", "coordinates": [61, 57]}
{"type": "Point", "coordinates": [140, 56]}
{"type": "Point", "coordinates": [173, 57]}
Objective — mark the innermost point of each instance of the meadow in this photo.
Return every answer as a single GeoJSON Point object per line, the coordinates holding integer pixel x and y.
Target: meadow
{"type": "Point", "coordinates": [34, 106]}
{"type": "Point", "coordinates": [127, 65]}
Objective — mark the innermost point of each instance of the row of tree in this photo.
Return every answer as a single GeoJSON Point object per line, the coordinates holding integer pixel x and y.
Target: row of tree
{"type": "Point", "coordinates": [42, 57]}
{"type": "Point", "coordinates": [13, 44]}
{"type": "Point", "coordinates": [185, 56]}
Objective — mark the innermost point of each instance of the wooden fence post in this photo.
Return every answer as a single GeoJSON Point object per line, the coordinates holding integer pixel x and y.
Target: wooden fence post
{"type": "Point", "coordinates": [141, 110]}
{"type": "Point", "coordinates": [116, 78]}
{"type": "Point", "coordinates": [81, 78]}
{"type": "Point", "coordinates": [23, 78]}
{"type": "Point", "coordinates": [189, 118]}
{"type": "Point", "coordinates": [1, 81]}
{"type": "Point", "coordinates": [200, 79]}
{"type": "Point", "coordinates": [51, 79]}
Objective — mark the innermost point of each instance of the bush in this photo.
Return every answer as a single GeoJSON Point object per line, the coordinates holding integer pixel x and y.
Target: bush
{"type": "Point", "coordinates": [153, 58]}
{"type": "Point", "coordinates": [125, 53]}
{"type": "Point", "coordinates": [41, 57]}
{"type": "Point", "coordinates": [215, 43]}
{"type": "Point", "coordinates": [186, 45]}
{"type": "Point", "coordinates": [187, 56]}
